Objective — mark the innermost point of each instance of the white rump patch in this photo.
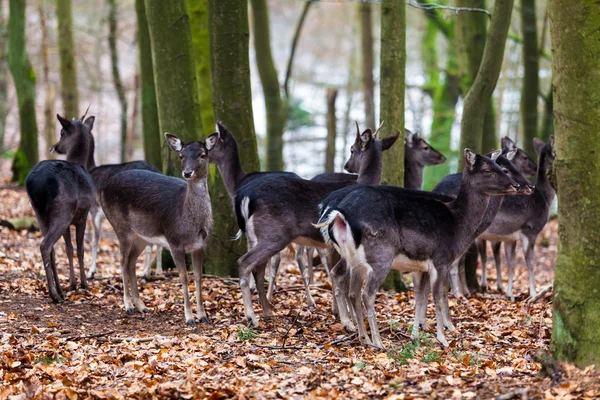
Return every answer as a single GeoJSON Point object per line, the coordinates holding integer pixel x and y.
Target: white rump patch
{"type": "Point", "coordinates": [404, 264]}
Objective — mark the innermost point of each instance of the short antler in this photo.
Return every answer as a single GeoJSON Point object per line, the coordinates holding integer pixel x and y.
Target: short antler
{"type": "Point", "coordinates": [86, 111]}
{"type": "Point", "coordinates": [377, 131]}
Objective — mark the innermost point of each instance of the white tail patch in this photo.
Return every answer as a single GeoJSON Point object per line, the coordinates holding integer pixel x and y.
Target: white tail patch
{"type": "Point", "coordinates": [344, 241]}
{"type": "Point", "coordinates": [237, 236]}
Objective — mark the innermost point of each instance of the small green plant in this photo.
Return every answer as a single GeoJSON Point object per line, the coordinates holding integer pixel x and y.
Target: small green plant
{"type": "Point", "coordinates": [49, 359]}
{"type": "Point", "coordinates": [431, 356]}
{"type": "Point", "coordinates": [544, 242]}
{"type": "Point", "coordinates": [395, 386]}
{"type": "Point", "coordinates": [360, 365]}
{"type": "Point", "coordinates": [423, 340]}
{"type": "Point", "coordinates": [403, 354]}
{"type": "Point", "coordinates": [246, 333]}
{"type": "Point", "coordinates": [394, 325]}
{"type": "Point", "coordinates": [476, 359]}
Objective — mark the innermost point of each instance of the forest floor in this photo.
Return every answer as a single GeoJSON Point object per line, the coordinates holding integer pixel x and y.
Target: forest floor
{"type": "Point", "coordinates": [76, 349]}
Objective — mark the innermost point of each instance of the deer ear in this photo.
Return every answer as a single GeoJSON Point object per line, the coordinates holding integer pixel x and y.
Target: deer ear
{"type": "Point", "coordinates": [511, 154]}
{"type": "Point", "coordinates": [211, 140]}
{"type": "Point", "coordinates": [175, 143]}
{"type": "Point", "coordinates": [470, 158]}
{"type": "Point", "coordinates": [66, 124]}
{"type": "Point", "coordinates": [89, 122]}
{"type": "Point", "coordinates": [538, 145]}
{"type": "Point", "coordinates": [388, 141]}
{"type": "Point", "coordinates": [551, 143]}
{"type": "Point", "coordinates": [495, 155]}
{"type": "Point", "coordinates": [507, 144]}
{"type": "Point", "coordinates": [366, 137]}
{"type": "Point", "coordinates": [408, 138]}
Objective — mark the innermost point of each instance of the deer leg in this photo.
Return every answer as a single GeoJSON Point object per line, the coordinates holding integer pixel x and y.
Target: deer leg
{"type": "Point", "coordinates": [420, 281]}
{"type": "Point", "coordinates": [47, 251]}
{"type": "Point", "coordinates": [148, 263]}
{"type": "Point", "coordinates": [97, 229]}
{"type": "Point", "coordinates": [528, 247]}
{"type": "Point", "coordinates": [136, 250]}
{"type": "Point", "coordinates": [438, 288]}
{"type": "Point", "coordinates": [55, 272]}
{"type": "Point", "coordinates": [125, 244]}
{"type": "Point", "coordinates": [454, 281]}
{"type": "Point", "coordinates": [273, 269]}
{"type": "Point", "coordinates": [325, 261]}
{"type": "Point", "coordinates": [197, 262]}
{"type": "Point", "coordinates": [310, 251]}
{"type": "Point", "coordinates": [509, 248]}
{"type": "Point", "coordinates": [462, 277]}
{"type": "Point", "coordinates": [372, 283]}
{"type": "Point", "coordinates": [355, 297]}
{"type": "Point", "coordinates": [69, 249]}
{"type": "Point", "coordinates": [496, 251]}
{"type": "Point", "coordinates": [340, 275]}
{"type": "Point", "coordinates": [79, 236]}
{"type": "Point", "coordinates": [159, 270]}
{"type": "Point", "coordinates": [446, 311]}
{"type": "Point", "coordinates": [482, 249]}
{"type": "Point", "coordinates": [259, 278]}
{"type": "Point", "coordinates": [305, 276]}
{"type": "Point", "coordinates": [179, 258]}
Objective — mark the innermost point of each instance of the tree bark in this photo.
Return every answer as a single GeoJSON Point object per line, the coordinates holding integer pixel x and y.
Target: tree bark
{"type": "Point", "coordinates": [114, 59]}
{"type": "Point", "coordinates": [331, 131]}
{"type": "Point", "coordinates": [24, 79]}
{"type": "Point", "coordinates": [198, 13]}
{"type": "Point", "coordinates": [174, 76]}
{"type": "Point", "coordinates": [576, 80]}
{"type": "Point", "coordinates": [548, 118]}
{"type": "Point", "coordinates": [392, 65]}
{"type": "Point", "coordinates": [49, 89]}
{"type": "Point", "coordinates": [150, 127]}
{"type": "Point", "coordinates": [3, 75]}
{"type": "Point", "coordinates": [366, 40]}
{"type": "Point", "coordinates": [295, 40]}
{"type": "Point", "coordinates": [232, 103]}
{"type": "Point", "coordinates": [531, 86]}
{"type": "Point", "coordinates": [68, 65]}
{"type": "Point", "coordinates": [132, 130]}
{"type": "Point", "coordinates": [479, 95]}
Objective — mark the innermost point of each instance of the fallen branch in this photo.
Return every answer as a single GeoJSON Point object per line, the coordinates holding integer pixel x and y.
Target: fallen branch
{"type": "Point", "coordinates": [295, 288]}
{"type": "Point", "coordinates": [265, 346]}
{"type": "Point", "coordinates": [541, 293]}
{"type": "Point", "coordinates": [97, 335]}
{"type": "Point", "coordinates": [342, 340]}
{"type": "Point", "coordinates": [522, 393]}
{"type": "Point", "coordinates": [125, 339]}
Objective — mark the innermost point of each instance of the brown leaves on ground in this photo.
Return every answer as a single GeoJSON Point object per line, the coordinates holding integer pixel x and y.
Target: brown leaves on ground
{"type": "Point", "coordinates": [88, 347]}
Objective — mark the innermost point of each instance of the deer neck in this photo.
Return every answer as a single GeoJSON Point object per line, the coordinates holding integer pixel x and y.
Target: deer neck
{"type": "Point", "coordinates": [469, 210]}
{"type": "Point", "coordinates": [231, 171]}
{"type": "Point", "coordinates": [79, 153]}
{"type": "Point", "coordinates": [370, 173]}
{"type": "Point", "coordinates": [91, 162]}
{"type": "Point", "coordinates": [196, 197]}
{"type": "Point", "coordinates": [542, 183]}
{"type": "Point", "coordinates": [413, 173]}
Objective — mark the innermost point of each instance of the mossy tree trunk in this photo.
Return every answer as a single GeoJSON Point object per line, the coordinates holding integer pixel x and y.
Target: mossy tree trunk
{"type": "Point", "coordinates": [49, 89]}
{"type": "Point", "coordinates": [576, 80]}
{"type": "Point", "coordinates": [150, 127]}
{"type": "Point", "coordinates": [274, 105]}
{"type": "Point", "coordinates": [3, 75]}
{"type": "Point", "coordinates": [24, 79]}
{"type": "Point", "coordinates": [531, 84]}
{"type": "Point", "coordinates": [114, 59]}
{"type": "Point", "coordinates": [174, 76]}
{"type": "Point", "coordinates": [366, 41]}
{"type": "Point", "coordinates": [392, 65]}
{"type": "Point", "coordinates": [331, 130]}
{"type": "Point", "coordinates": [68, 65]}
{"type": "Point", "coordinates": [198, 13]}
{"type": "Point", "coordinates": [232, 103]}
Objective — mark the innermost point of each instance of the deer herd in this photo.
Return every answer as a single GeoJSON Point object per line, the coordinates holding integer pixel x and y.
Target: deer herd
{"type": "Point", "coordinates": [360, 228]}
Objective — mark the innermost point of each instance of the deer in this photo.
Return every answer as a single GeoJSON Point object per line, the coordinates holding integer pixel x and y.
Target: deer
{"type": "Point", "coordinates": [522, 218]}
{"type": "Point", "coordinates": [100, 175]}
{"type": "Point", "coordinates": [148, 208]}
{"type": "Point", "coordinates": [61, 194]}
{"type": "Point", "coordinates": [377, 228]}
{"type": "Point", "coordinates": [275, 210]}
{"type": "Point", "coordinates": [418, 154]}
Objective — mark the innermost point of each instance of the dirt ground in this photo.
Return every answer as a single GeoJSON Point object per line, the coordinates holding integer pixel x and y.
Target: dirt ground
{"type": "Point", "coordinates": [88, 347]}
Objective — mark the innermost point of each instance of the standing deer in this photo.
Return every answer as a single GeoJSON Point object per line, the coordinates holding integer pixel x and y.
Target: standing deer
{"type": "Point", "coordinates": [61, 194]}
{"type": "Point", "coordinates": [145, 207]}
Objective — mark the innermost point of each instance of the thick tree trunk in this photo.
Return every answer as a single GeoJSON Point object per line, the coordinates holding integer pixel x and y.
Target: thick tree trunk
{"type": "Point", "coordinates": [198, 13]}
{"type": "Point", "coordinates": [548, 118]}
{"type": "Point", "coordinates": [68, 66]}
{"type": "Point", "coordinates": [331, 130]}
{"type": "Point", "coordinates": [150, 127]}
{"type": "Point", "coordinates": [479, 96]}
{"type": "Point", "coordinates": [174, 76]}
{"type": "Point", "coordinates": [270, 84]}
{"type": "Point", "coordinates": [366, 41]}
{"type": "Point", "coordinates": [232, 103]}
{"type": "Point", "coordinates": [49, 89]}
{"type": "Point", "coordinates": [3, 75]}
{"type": "Point", "coordinates": [24, 78]}
{"type": "Point", "coordinates": [393, 60]}
{"type": "Point", "coordinates": [114, 59]}
{"type": "Point", "coordinates": [531, 86]}
{"type": "Point", "coordinates": [576, 79]}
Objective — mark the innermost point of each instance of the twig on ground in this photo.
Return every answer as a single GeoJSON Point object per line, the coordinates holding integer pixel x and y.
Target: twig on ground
{"type": "Point", "coordinates": [541, 293]}
{"type": "Point", "coordinates": [290, 326]}
{"type": "Point", "coordinates": [522, 393]}
{"type": "Point", "coordinates": [125, 339]}
{"type": "Point", "coordinates": [97, 335]}
{"type": "Point", "coordinates": [266, 346]}
{"type": "Point", "coordinates": [342, 340]}
{"type": "Point", "coordinates": [294, 288]}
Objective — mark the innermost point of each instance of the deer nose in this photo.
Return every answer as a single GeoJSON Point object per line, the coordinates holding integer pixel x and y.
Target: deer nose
{"type": "Point", "coordinates": [188, 174]}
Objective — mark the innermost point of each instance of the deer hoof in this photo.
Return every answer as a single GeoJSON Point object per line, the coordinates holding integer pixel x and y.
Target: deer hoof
{"type": "Point", "coordinates": [190, 322]}
{"type": "Point", "coordinates": [84, 285]}
{"type": "Point", "coordinates": [130, 311]}
{"type": "Point", "coordinates": [203, 320]}
{"type": "Point", "coordinates": [252, 321]}
{"type": "Point", "coordinates": [90, 275]}
{"type": "Point", "coordinates": [511, 298]}
{"type": "Point", "coordinates": [56, 299]}
{"type": "Point", "coordinates": [72, 287]}
{"type": "Point", "coordinates": [443, 341]}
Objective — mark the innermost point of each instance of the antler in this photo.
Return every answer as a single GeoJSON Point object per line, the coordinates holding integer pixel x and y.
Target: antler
{"type": "Point", "coordinates": [85, 114]}
{"type": "Point", "coordinates": [357, 129]}
{"type": "Point", "coordinates": [377, 131]}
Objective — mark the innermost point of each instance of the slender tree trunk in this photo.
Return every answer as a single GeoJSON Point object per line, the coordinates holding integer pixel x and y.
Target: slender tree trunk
{"type": "Point", "coordinates": [295, 40]}
{"type": "Point", "coordinates": [114, 58]}
{"type": "Point", "coordinates": [49, 89]}
{"type": "Point", "coordinates": [548, 118]}
{"type": "Point", "coordinates": [270, 84]}
{"type": "Point", "coordinates": [24, 79]}
{"type": "Point", "coordinates": [174, 76]}
{"type": "Point", "coordinates": [488, 139]}
{"type": "Point", "coordinates": [366, 41]}
{"type": "Point", "coordinates": [393, 60]}
{"type": "Point", "coordinates": [68, 66]}
{"type": "Point", "coordinates": [232, 103]}
{"type": "Point", "coordinates": [3, 75]}
{"type": "Point", "coordinates": [331, 131]}
{"type": "Point", "coordinates": [131, 131]}
{"type": "Point", "coordinates": [198, 13]}
{"type": "Point", "coordinates": [531, 86]}
{"type": "Point", "coordinates": [150, 127]}
{"type": "Point", "coordinates": [479, 96]}
{"type": "Point", "coordinates": [575, 55]}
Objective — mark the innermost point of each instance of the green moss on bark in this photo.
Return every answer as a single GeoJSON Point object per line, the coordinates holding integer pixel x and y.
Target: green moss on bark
{"type": "Point", "coordinates": [68, 65]}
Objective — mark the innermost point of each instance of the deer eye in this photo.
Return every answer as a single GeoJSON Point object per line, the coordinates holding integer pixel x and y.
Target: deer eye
{"type": "Point", "coordinates": [202, 155]}
{"type": "Point", "coordinates": [426, 148]}
{"type": "Point", "coordinates": [181, 156]}
{"type": "Point", "coordinates": [505, 170]}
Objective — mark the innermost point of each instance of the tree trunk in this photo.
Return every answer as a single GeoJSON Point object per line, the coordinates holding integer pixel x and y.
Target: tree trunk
{"type": "Point", "coordinates": [24, 78]}
{"type": "Point", "coordinates": [49, 89]}
{"type": "Point", "coordinates": [3, 76]}
{"type": "Point", "coordinates": [270, 83]}
{"type": "Point", "coordinates": [366, 40]}
{"type": "Point", "coordinates": [488, 139]}
{"type": "Point", "coordinates": [68, 66]}
{"type": "Point", "coordinates": [150, 128]}
{"type": "Point", "coordinates": [198, 13]}
{"type": "Point", "coordinates": [393, 60]}
{"type": "Point", "coordinates": [290, 64]}
{"type": "Point", "coordinates": [114, 58]}
{"type": "Point", "coordinates": [232, 103]}
{"type": "Point", "coordinates": [531, 86]}
{"type": "Point", "coordinates": [575, 55]}
{"type": "Point", "coordinates": [331, 131]}
{"type": "Point", "coordinates": [174, 76]}
{"type": "Point", "coordinates": [131, 132]}
{"type": "Point", "coordinates": [548, 118]}
{"type": "Point", "coordinates": [478, 98]}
